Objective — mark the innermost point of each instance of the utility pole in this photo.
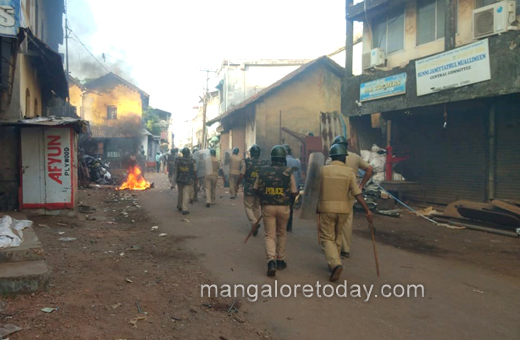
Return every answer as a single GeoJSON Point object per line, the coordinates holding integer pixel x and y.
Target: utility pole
{"type": "Point", "coordinates": [204, 108]}
{"type": "Point", "coordinates": [67, 37]}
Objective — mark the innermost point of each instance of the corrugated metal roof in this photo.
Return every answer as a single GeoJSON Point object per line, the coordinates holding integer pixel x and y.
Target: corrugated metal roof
{"type": "Point", "coordinates": [78, 124]}
{"type": "Point", "coordinates": [273, 87]}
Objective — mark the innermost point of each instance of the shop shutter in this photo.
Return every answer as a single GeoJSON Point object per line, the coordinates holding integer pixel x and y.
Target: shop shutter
{"type": "Point", "coordinates": [450, 164]}
{"type": "Point", "coordinates": [508, 152]}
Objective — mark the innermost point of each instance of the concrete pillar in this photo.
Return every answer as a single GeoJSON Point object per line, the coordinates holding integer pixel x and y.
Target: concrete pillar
{"type": "Point", "coordinates": [450, 24]}
{"type": "Point", "coordinates": [349, 45]}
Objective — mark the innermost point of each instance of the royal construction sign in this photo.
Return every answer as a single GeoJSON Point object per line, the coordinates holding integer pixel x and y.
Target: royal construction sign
{"type": "Point", "coordinates": [455, 68]}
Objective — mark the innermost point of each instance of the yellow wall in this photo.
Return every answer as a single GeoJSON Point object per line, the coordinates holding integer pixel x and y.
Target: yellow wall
{"type": "Point", "coordinates": [29, 81]}
{"type": "Point", "coordinates": [75, 95]}
{"type": "Point", "coordinates": [411, 49]}
{"type": "Point", "coordinates": [127, 101]}
{"type": "Point", "coordinates": [301, 102]}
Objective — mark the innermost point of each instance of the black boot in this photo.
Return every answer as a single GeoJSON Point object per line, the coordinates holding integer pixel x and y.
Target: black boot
{"type": "Point", "coordinates": [336, 273]}
{"type": "Point", "coordinates": [281, 264]}
{"type": "Point", "coordinates": [271, 268]}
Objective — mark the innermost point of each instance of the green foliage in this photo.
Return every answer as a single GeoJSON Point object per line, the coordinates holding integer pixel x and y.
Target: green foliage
{"type": "Point", "coordinates": [152, 121]}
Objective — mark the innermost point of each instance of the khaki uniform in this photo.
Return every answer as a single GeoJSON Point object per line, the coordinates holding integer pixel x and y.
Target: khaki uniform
{"type": "Point", "coordinates": [234, 172]}
{"type": "Point", "coordinates": [186, 169]}
{"type": "Point", "coordinates": [250, 169]}
{"type": "Point", "coordinates": [338, 183]}
{"type": "Point", "coordinates": [275, 184]}
{"type": "Point", "coordinates": [354, 162]}
{"type": "Point", "coordinates": [210, 181]}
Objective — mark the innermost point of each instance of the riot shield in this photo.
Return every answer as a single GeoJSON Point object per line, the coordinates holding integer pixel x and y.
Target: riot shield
{"type": "Point", "coordinates": [203, 160]}
{"type": "Point", "coordinates": [311, 192]}
{"type": "Point", "coordinates": [226, 161]}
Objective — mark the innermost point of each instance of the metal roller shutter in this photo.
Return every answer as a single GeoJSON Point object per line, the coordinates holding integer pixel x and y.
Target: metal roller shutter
{"type": "Point", "coordinates": [450, 164]}
{"type": "Point", "coordinates": [508, 151]}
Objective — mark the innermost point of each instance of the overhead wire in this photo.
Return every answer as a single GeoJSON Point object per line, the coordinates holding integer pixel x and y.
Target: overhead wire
{"type": "Point", "coordinates": [88, 50]}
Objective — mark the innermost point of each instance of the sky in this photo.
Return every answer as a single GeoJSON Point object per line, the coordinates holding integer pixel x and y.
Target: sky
{"type": "Point", "coordinates": [161, 45]}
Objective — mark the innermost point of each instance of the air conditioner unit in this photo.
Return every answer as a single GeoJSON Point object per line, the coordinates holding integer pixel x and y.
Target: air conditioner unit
{"type": "Point", "coordinates": [494, 19]}
{"type": "Point", "coordinates": [376, 57]}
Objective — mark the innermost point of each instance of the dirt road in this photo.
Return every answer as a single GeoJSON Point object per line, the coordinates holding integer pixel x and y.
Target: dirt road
{"type": "Point", "coordinates": [471, 279]}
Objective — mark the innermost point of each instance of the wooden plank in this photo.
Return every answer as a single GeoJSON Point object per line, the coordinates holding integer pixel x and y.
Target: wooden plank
{"type": "Point", "coordinates": [506, 206]}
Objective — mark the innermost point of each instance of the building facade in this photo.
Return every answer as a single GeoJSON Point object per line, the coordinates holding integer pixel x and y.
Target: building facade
{"type": "Point", "coordinates": [33, 82]}
{"type": "Point", "coordinates": [295, 102]}
{"type": "Point", "coordinates": [442, 84]}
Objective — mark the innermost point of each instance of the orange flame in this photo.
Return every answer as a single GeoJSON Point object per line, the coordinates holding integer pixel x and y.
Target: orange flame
{"type": "Point", "coordinates": [134, 180]}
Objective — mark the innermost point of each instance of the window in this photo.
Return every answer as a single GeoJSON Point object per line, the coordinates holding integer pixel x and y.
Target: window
{"type": "Point", "coordinates": [388, 32]}
{"type": "Point", "coordinates": [111, 112]}
{"type": "Point", "coordinates": [430, 20]}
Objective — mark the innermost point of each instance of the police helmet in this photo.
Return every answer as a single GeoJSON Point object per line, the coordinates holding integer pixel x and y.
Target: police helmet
{"type": "Point", "coordinates": [278, 152]}
{"type": "Point", "coordinates": [235, 151]}
{"type": "Point", "coordinates": [254, 150]}
{"type": "Point", "coordinates": [338, 150]}
{"type": "Point", "coordinates": [212, 152]}
{"type": "Point", "coordinates": [185, 152]}
{"type": "Point", "coordinates": [340, 140]}
{"type": "Point", "coordinates": [287, 149]}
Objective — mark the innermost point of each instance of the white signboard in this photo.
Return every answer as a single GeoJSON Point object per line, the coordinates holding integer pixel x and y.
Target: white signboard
{"type": "Point", "coordinates": [459, 67]}
{"type": "Point", "coordinates": [58, 165]}
{"type": "Point", "coordinates": [47, 168]}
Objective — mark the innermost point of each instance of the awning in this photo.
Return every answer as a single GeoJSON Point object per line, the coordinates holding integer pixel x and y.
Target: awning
{"type": "Point", "coordinates": [79, 125]}
{"type": "Point", "coordinates": [50, 64]}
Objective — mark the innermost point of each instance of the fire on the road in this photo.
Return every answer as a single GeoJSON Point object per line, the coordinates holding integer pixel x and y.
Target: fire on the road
{"type": "Point", "coordinates": [134, 180]}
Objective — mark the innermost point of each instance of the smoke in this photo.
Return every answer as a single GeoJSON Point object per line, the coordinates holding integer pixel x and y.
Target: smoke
{"type": "Point", "coordinates": [86, 63]}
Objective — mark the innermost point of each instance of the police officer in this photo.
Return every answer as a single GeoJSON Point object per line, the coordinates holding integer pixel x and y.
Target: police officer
{"type": "Point", "coordinates": [296, 167]}
{"type": "Point", "coordinates": [186, 173]}
{"type": "Point", "coordinates": [338, 182]}
{"type": "Point", "coordinates": [172, 158]}
{"type": "Point", "coordinates": [275, 186]}
{"type": "Point", "coordinates": [354, 162]}
{"type": "Point", "coordinates": [234, 172]}
{"type": "Point", "coordinates": [194, 196]}
{"type": "Point", "coordinates": [249, 171]}
{"type": "Point", "coordinates": [210, 181]}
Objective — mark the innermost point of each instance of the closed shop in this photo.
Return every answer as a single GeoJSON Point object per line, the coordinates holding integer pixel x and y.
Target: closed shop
{"type": "Point", "coordinates": [450, 163]}
{"type": "Point", "coordinates": [507, 176]}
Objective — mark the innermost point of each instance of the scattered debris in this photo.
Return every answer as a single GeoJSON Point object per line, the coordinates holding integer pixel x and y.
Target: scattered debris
{"type": "Point", "coordinates": [67, 239]}
{"type": "Point", "coordinates": [154, 228]}
{"type": "Point", "coordinates": [61, 232]}
{"type": "Point", "coordinates": [222, 337]}
{"type": "Point", "coordinates": [43, 225]}
{"type": "Point", "coordinates": [184, 220]}
{"type": "Point", "coordinates": [207, 305]}
{"type": "Point", "coordinates": [3, 304]}
{"type": "Point", "coordinates": [48, 309]}
{"type": "Point", "coordinates": [238, 319]}
{"type": "Point", "coordinates": [139, 310]}
{"type": "Point", "coordinates": [162, 234]}
{"type": "Point", "coordinates": [62, 224]}
{"type": "Point", "coordinates": [176, 318]}
{"type": "Point", "coordinates": [232, 308]}
{"type": "Point", "coordinates": [134, 321]}
{"type": "Point", "coordinates": [390, 213]}
{"type": "Point", "coordinates": [478, 291]}
{"type": "Point", "coordinates": [8, 329]}
{"type": "Point", "coordinates": [134, 248]}
{"type": "Point", "coordinates": [112, 223]}
{"type": "Point", "coordinates": [128, 280]}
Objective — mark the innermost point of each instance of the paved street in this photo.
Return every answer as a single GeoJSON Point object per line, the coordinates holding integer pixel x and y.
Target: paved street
{"type": "Point", "coordinates": [463, 300]}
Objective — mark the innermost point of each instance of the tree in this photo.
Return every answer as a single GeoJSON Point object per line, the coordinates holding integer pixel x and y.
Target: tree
{"type": "Point", "coordinates": [152, 121]}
